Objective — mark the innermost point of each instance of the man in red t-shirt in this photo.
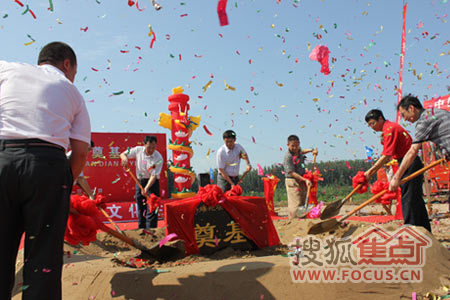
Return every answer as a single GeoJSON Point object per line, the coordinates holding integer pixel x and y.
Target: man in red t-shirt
{"type": "Point", "coordinates": [396, 143]}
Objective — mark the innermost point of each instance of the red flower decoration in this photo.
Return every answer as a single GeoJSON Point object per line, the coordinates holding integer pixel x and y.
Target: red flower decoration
{"type": "Point", "coordinates": [360, 179]}
{"type": "Point", "coordinates": [154, 202]}
{"type": "Point", "coordinates": [210, 194]}
{"type": "Point", "coordinates": [82, 227]}
{"type": "Point", "coordinates": [380, 186]}
{"type": "Point", "coordinates": [235, 191]}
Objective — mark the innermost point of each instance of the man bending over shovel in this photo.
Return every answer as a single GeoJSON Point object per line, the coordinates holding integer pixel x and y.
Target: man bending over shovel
{"type": "Point", "coordinates": [431, 125]}
{"type": "Point", "coordinates": [396, 143]}
{"type": "Point", "coordinates": [148, 168]}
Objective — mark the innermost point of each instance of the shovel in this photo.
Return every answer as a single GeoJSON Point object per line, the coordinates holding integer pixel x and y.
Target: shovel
{"type": "Point", "coordinates": [156, 251]}
{"type": "Point", "coordinates": [243, 176]}
{"type": "Point", "coordinates": [110, 220]}
{"type": "Point", "coordinates": [331, 224]}
{"type": "Point", "coordinates": [140, 186]}
{"type": "Point", "coordinates": [304, 211]}
{"type": "Point", "coordinates": [333, 208]}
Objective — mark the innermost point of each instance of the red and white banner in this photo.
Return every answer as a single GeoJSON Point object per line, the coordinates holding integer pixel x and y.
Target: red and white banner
{"type": "Point", "coordinates": [103, 168]}
{"type": "Point", "coordinates": [127, 211]}
{"type": "Point", "coordinates": [442, 102]}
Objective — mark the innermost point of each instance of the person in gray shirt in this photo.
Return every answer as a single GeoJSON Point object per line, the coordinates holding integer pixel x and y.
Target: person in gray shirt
{"type": "Point", "coordinates": [431, 125]}
{"type": "Point", "coordinates": [294, 168]}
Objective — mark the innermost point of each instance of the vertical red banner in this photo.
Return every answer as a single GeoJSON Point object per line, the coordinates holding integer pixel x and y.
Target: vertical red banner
{"type": "Point", "coordinates": [402, 59]}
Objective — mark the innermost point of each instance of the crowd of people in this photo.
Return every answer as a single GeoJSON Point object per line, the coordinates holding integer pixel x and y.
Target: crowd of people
{"type": "Point", "coordinates": [43, 114]}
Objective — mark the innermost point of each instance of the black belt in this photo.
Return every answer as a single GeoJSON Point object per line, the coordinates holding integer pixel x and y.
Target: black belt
{"type": "Point", "coordinates": [229, 176]}
{"type": "Point", "coordinates": [23, 143]}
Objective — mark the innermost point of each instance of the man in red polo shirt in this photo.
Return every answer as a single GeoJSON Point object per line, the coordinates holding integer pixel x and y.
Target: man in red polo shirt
{"type": "Point", "coordinates": [396, 143]}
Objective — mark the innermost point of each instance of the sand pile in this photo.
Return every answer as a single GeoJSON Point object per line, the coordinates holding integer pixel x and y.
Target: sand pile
{"type": "Point", "coordinates": [100, 271]}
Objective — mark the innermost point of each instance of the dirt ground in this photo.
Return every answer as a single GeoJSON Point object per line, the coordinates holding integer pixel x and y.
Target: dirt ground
{"type": "Point", "coordinates": [110, 269]}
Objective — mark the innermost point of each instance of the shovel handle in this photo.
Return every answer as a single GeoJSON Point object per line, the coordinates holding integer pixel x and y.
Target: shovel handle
{"type": "Point", "coordinates": [139, 184]}
{"type": "Point", "coordinates": [352, 192]}
{"type": "Point", "coordinates": [409, 177]}
{"type": "Point", "coordinates": [109, 219]}
{"type": "Point", "coordinates": [314, 160]}
{"type": "Point", "coordinates": [375, 197]}
{"type": "Point", "coordinates": [308, 189]}
{"type": "Point", "coordinates": [115, 233]}
{"type": "Point", "coordinates": [122, 237]}
{"type": "Point", "coordinates": [135, 180]}
{"type": "Point", "coordinates": [243, 176]}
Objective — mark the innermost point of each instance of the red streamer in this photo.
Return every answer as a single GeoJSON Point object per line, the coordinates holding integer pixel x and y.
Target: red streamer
{"type": "Point", "coordinates": [222, 12]}
{"type": "Point", "coordinates": [32, 13]}
{"type": "Point", "coordinates": [137, 6]}
{"type": "Point", "coordinates": [153, 39]}
{"type": "Point", "coordinates": [207, 130]}
{"type": "Point", "coordinates": [18, 2]}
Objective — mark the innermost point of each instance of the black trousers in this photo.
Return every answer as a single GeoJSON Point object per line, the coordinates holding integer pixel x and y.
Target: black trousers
{"type": "Point", "coordinates": [35, 187]}
{"type": "Point", "coordinates": [146, 219]}
{"type": "Point", "coordinates": [413, 206]}
{"type": "Point", "coordinates": [225, 185]}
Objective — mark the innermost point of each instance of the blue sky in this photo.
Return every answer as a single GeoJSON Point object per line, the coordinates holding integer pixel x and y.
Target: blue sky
{"type": "Point", "coordinates": [325, 111]}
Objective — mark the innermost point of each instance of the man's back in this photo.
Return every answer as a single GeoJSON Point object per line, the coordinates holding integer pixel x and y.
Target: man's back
{"type": "Point", "coordinates": [40, 102]}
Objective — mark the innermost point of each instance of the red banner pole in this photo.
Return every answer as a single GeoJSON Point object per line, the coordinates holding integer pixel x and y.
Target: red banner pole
{"type": "Point", "coordinates": [402, 59]}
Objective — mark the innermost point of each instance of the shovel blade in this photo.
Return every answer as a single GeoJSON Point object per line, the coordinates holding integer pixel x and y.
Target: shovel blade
{"type": "Point", "coordinates": [332, 209]}
{"type": "Point", "coordinates": [173, 249]}
{"type": "Point", "coordinates": [323, 226]}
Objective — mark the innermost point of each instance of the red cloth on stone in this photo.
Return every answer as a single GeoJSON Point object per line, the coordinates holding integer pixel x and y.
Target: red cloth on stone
{"type": "Point", "coordinates": [359, 178]}
{"type": "Point", "coordinates": [249, 212]}
{"type": "Point", "coordinates": [380, 186]}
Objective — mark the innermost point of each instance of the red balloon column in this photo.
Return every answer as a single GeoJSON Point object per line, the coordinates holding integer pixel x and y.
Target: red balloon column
{"type": "Point", "coordinates": [181, 126]}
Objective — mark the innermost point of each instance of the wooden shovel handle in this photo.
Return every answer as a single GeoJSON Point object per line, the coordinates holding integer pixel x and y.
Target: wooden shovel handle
{"type": "Point", "coordinates": [374, 197]}
{"type": "Point", "coordinates": [421, 171]}
{"type": "Point", "coordinates": [139, 184]}
{"type": "Point", "coordinates": [413, 175]}
{"type": "Point", "coordinates": [109, 219]}
{"type": "Point", "coordinates": [308, 189]}
{"type": "Point", "coordinates": [135, 180]}
{"type": "Point", "coordinates": [352, 192]}
{"type": "Point", "coordinates": [122, 237]}
{"type": "Point", "coordinates": [114, 233]}
{"type": "Point", "coordinates": [243, 176]}
{"type": "Point", "coordinates": [314, 161]}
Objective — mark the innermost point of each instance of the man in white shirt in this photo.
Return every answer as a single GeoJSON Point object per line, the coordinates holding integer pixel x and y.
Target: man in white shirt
{"type": "Point", "coordinates": [228, 161]}
{"type": "Point", "coordinates": [42, 113]}
{"type": "Point", "coordinates": [149, 163]}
